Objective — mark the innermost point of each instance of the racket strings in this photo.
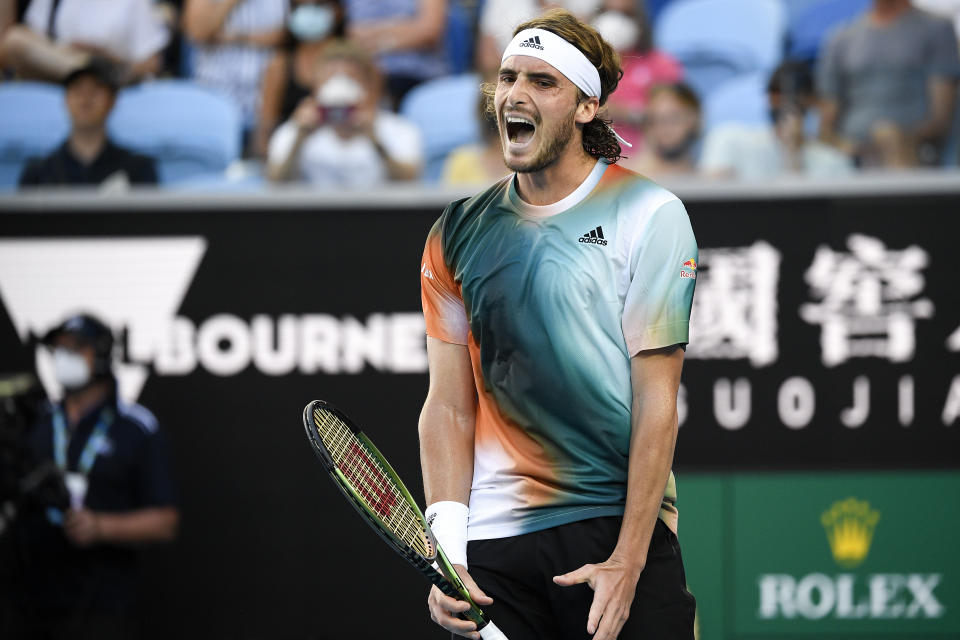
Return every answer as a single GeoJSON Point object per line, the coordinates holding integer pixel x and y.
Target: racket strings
{"type": "Point", "coordinates": [363, 470]}
{"type": "Point", "coordinates": [376, 486]}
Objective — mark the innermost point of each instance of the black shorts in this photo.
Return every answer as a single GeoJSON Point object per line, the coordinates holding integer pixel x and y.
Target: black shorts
{"type": "Point", "coordinates": [518, 572]}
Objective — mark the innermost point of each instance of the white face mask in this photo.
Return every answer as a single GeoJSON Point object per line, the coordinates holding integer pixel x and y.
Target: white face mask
{"type": "Point", "coordinates": [310, 22]}
{"type": "Point", "coordinates": [617, 28]}
{"type": "Point", "coordinates": [70, 369]}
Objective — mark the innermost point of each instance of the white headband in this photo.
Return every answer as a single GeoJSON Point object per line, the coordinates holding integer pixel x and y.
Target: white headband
{"type": "Point", "coordinates": [560, 54]}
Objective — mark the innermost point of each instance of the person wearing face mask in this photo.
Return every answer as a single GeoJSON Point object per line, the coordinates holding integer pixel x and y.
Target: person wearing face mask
{"type": "Point", "coordinates": [339, 136]}
{"type": "Point", "coordinates": [289, 75]}
{"type": "Point", "coordinates": [625, 25]}
{"type": "Point", "coordinates": [671, 128]}
{"type": "Point", "coordinates": [80, 564]}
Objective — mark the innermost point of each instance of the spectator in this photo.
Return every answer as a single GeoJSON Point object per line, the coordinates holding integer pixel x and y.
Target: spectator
{"type": "Point", "coordinates": [60, 36]}
{"type": "Point", "coordinates": [888, 83]}
{"type": "Point", "coordinates": [80, 563]}
{"type": "Point", "coordinates": [624, 24]}
{"type": "Point", "coordinates": [477, 164]}
{"type": "Point", "coordinates": [338, 137]}
{"type": "Point", "coordinates": [235, 41]}
{"type": "Point", "coordinates": [88, 157]}
{"type": "Point", "coordinates": [289, 75]}
{"type": "Point", "coordinates": [671, 129]}
{"type": "Point", "coordinates": [499, 17]}
{"type": "Point", "coordinates": [752, 153]}
{"type": "Point", "coordinates": [407, 37]}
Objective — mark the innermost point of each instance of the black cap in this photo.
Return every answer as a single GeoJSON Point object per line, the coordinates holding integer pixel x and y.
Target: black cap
{"type": "Point", "coordinates": [100, 68]}
{"type": "Point", "coordinates": [86, 329]}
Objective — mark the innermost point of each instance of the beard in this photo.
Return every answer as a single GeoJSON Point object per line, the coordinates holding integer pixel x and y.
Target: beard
{"type": "Point", "coordinates": [553, 143]}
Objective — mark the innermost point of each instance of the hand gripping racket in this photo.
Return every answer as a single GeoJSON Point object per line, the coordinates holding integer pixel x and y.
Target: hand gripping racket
{"type": "Point", "coordinates": [372, 486]}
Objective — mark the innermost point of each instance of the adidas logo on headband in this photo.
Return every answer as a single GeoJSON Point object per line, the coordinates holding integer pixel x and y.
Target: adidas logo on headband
{"type": "Point", "coordinates": [533, 43]}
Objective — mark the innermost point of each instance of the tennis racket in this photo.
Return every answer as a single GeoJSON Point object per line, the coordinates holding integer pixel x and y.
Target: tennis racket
{"type": "Point", "coordinates": [371, 485]}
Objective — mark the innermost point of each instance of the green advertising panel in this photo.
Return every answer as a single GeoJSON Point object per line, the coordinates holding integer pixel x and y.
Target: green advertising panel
{"type": "Point", "coordinates": [701, 502]}
{"type": "Point", "coordinates": [835, 556]}
{"type": "Point", "coordinates": [845, 555]}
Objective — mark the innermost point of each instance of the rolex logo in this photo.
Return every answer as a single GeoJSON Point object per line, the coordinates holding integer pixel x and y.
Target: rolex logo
{"type": "Point", "coordinates": [849, 525]}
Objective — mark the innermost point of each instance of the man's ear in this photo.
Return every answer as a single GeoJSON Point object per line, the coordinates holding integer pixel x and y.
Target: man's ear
{"type": "Point", "coordinates": [587, 110]}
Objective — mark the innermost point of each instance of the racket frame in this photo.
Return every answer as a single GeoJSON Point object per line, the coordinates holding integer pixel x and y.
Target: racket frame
{"type": "Point", "coordinates": [446, 578]}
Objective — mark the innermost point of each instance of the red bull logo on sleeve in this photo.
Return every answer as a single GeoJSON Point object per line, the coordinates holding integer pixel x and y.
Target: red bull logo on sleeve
{"type": "Point", "coordinates": [689, 269]}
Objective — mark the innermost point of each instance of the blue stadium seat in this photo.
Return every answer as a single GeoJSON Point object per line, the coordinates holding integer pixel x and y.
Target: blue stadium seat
{"type": "Point", "coordinates": [34, 121]}
{"type": "Point", "coordinates": [187, 129]}
{"type": "Point", "coordinates": [742, 99]}
{"type": "Point", "coordinates": [716, 40]}
{"type": "Point", "coordinates": [809, 29]}
{"type": "Point", "coordinates": [654, 7]}
{"type": "Point", "coordinates": [796, 8]}
{"type": "Point", "coordinates": [459, 41]}
{"type": "Point", "coordinates": [445, 110]}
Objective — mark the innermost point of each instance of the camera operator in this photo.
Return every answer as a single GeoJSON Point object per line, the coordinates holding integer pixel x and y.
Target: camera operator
{"type": "Point", "coordinates": [338, 137]}
{"type": "Point", "coordinates": [80, 564]}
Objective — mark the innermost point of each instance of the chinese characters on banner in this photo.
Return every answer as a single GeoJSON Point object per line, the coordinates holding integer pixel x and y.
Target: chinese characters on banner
{"type": "Point", "coordinates": [867, 302]}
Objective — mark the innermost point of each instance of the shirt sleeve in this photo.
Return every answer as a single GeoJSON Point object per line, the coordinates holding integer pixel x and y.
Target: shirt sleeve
{"type": "Point", "coordinates": [663, 267]}
{"type": "Point", "coordinates": [401, 138]}
{"type": "Point", "coordinates": [718, 150]}
{"type": "Point", "coordinates": [30, 176]}
{"type": "Point", "coordinates": [491, 19]}
{"type": "Point", "coordinates": [37, 15]}
{"type": "Point", "coordinates": [281, 143]}
{"type": "Point", "coordinates": [944, 53]}
{"type": "Point", "coordinates": [829, 72]}
{"type": "Point", "coordinates": [443, 310]}
{"type": "Point", "coordinates": [147, 35]}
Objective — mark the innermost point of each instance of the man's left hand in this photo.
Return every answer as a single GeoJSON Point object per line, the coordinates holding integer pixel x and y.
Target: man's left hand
{"type": "Point", "coordinates": [81, 527]}
{"type": "Point", "coordinates": [614, 585]}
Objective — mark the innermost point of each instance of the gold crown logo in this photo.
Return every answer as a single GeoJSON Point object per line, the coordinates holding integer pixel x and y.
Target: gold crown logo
{"type": "Point", "coordinates": [850, 524]}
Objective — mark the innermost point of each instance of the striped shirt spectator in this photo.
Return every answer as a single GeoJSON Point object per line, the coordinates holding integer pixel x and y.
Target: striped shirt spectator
{"type": "Point", "coordinates": [235, 41]}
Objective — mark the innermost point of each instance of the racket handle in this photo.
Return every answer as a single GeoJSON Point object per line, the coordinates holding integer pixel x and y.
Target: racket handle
{"type": "Point", "coordinates": [490, 632]}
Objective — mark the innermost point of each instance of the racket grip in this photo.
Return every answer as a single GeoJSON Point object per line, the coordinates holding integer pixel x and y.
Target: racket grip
{"type": "Point", "coordinates": [491, 632]}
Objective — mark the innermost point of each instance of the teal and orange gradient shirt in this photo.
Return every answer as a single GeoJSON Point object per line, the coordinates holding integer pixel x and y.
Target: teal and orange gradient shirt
{"type": "Point", "coordinates": [551, 303]}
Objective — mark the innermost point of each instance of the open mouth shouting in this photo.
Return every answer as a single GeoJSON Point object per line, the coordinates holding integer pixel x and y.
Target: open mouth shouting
{"type": "Point", "coordinates": [520, 130]}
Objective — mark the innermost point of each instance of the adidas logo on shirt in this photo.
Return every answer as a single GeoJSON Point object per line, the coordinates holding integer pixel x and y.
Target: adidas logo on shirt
{"type": "Point", "coordinates": [533, 43]}
{"type": "Point", "coordinates": [594, 237]}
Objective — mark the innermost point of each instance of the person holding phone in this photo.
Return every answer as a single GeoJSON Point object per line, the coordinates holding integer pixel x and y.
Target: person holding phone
{"type": "Point", "coordinates": [337, 136]}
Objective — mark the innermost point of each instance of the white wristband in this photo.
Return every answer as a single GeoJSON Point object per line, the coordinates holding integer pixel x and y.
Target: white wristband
{"type": "Point", "coordinates": [448, 521]}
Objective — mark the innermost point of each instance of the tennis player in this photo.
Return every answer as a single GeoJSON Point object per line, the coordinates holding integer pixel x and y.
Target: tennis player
{"type": "Point", "coordinates": [557, 305]}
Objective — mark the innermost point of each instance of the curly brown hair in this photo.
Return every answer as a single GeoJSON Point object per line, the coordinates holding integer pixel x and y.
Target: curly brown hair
{"type": "Point", "coordinates": [598, 138]}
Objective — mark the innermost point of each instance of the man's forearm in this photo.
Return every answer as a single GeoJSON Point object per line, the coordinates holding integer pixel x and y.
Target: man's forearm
{"type": "Point", "coordinates": [655, 379]}
{"type": "Point", "coordinates": [446, 452]}
{"type": "Point", "coordinates": [942, 99]}
{"type": "Point", "coordinates": [651, 455]}
{"type": "Point", "coordinates": [155, 524]}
